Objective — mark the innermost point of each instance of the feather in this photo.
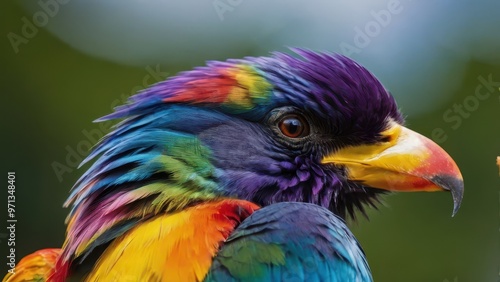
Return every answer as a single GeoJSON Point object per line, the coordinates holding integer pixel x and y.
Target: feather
{"type": "Point", "coordinates": [172, 247]}
{"type": "Point", "coordinates": [291, 242]}
{"type": "Point", "coordinates": [34, 267]}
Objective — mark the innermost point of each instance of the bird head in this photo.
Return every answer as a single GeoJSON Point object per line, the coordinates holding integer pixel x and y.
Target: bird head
{"type": "Point", "coordinates": [318, 128]}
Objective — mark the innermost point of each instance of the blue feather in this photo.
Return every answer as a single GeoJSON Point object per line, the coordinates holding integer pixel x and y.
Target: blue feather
{"type": "Point", "coordinates": [291, 242]}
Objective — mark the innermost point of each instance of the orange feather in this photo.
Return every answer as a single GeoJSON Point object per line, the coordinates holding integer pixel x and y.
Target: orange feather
{"type": "Point", "coordinates": [34, 267]}
{"type": "Point", "coordinates": [172, 247]}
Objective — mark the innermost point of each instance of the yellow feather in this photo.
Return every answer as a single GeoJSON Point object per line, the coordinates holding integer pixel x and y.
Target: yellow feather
{"type": "Point", "coordinates": [170, 247]}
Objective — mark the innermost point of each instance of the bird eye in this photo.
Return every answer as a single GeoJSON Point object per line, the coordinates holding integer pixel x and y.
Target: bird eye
{"type": "Point", "coordinates": [293, 126]}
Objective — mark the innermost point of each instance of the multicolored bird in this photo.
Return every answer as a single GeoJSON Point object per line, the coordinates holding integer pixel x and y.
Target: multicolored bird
{"type": "Point", "coordinates": [243, 171]}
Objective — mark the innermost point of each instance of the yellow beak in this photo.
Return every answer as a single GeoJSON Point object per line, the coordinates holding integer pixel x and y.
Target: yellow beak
{"type": "Point", "coordinates": [405, 161]}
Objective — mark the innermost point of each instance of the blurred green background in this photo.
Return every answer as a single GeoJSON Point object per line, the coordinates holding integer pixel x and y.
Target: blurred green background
{"type": "Point", "coordinates": [89, 57]}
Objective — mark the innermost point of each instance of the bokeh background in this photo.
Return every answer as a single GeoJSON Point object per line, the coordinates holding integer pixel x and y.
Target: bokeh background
{"type": "Point", "coordinates": [65, 63]}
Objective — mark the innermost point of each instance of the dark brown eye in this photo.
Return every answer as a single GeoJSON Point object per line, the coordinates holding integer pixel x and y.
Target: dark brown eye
{"type": "Point", "coordinates": [293, 126]}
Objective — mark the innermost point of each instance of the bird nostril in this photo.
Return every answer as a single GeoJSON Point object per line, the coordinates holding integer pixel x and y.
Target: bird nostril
{"type": "Point", "coordinates": [386, 138]}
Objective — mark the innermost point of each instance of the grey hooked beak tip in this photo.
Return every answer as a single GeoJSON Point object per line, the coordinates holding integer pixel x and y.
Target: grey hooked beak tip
{"type": "Point", "coordinates": [455, 186]}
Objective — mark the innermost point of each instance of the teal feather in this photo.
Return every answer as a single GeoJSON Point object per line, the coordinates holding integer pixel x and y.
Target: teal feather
{"type": "Point", "coordinates": [291, 242]}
